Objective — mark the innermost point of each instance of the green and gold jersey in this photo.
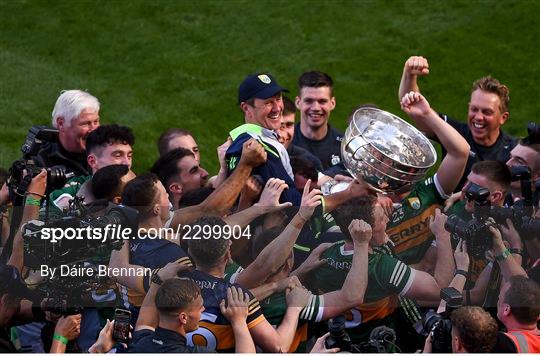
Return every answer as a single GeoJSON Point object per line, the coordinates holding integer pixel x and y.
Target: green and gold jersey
{"type": "Point", "coordinates": [408, 227]}
{"type": "Point", "coordinates": [387, 278]}
{"type": "Point", "coordinates": [275, 306]}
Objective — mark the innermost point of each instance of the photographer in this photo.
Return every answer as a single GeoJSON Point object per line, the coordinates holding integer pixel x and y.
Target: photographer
{"type": "Point", "coordinates": [75, 115]}
{"type": "Point", "coordinates": [518, 309]}
{"type": "Point", "coordinates": [527, 154]}
{"type": "Point", "coordinates": [16, 308]}
{"type": "Point", "coordinates": [473, 331]}
{"type": "Point", "coordinates": [36, 191]}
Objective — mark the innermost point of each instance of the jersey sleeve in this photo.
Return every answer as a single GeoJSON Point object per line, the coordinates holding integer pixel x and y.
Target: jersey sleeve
{"type": "Point", "coordinates": [314, 309]}
{"type": "Point", "coordinates": [394, 275]}
{"type": "Point", "coordinates": [255, 315]}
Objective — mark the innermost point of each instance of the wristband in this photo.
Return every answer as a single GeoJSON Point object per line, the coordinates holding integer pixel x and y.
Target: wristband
{"type": "Point", "coordinates": [517, 251]}
{"type": "Point", "coordinates": [36, 194]}
{"type": "Point", "coordinates": [462, 272]}
{"type": "Point", "coordinates": [503, 256]}
{"type": "Point", "coordinates": [156, 278]}
{"type": "Point", "coordinates": [60, 338]}
{"type": "Point", "coordinates": [32, 201]}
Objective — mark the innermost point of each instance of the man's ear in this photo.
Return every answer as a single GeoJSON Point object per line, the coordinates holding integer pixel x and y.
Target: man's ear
{"type": "Point", "coordinates": [333, 102]}
{"type": "Point", "coordinates": [183, 318]}
{"type": "Point", "coordinates": [297, 102]}
{"type": "Point", "coordinates": [504, 117]}
{"type": "Point", "coordinates": [92, 160]}
{"type": "Point", "coordinates": [497, 196]}
{"type": "Point", "coordinates": [117, 199]}
{"type": "Point", "coordinates": [60, 123]}
{"type": "Point", "coordinates": [156, 209]}
{"type": "Point", "coordinates": [176, 188]}
{"type": "Point", "coordinates": [244, 107]}
{"type": "Point", "coordinates": [507, 310]}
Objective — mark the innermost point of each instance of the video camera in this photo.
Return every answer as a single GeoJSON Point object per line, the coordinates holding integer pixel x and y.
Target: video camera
{"type": "Point", "coordinates": [77, 258]}
{"type": "Point", "coordinates": [380, 339]}
{"type": "Point", "coordinates": [56, 176]}
{"type": "Point", "coordinates": [476, 231]}
{"type": "Point", "coordinates": [439, 325]}
{"type": "Point", "coordinates": [40, 249]}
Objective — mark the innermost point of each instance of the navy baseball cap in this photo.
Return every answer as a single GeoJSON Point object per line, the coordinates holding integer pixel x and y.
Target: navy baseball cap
{"type": "Point", "coordinates": [259, 85]}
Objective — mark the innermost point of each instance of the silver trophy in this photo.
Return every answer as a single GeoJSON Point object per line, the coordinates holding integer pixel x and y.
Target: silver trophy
{"type": "Point", "coordinates": [385, 151]}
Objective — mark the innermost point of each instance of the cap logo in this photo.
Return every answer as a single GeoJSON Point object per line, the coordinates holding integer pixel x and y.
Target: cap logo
{"type": "Point", "coordinates": [264, 78]}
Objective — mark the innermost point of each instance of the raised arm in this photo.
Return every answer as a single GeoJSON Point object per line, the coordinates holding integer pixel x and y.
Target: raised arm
{"type": "Point", "coordinates": [414, 66]}
{"type": "Point", "coordinates": [444, 266]}
{"type": "Point", "coordinates": [453, 165]}
{"type": "Point", "coordinates": [273, 256]}
{"type": "Point", "coordinates": [462, 264]}
{"type": "Point", "coordinates": [36, 191]}
{"type": "Point", "coordinates": [352, 292]}
{"type": "Point", "coordinates": [236, 311]}
{"type": "Point", "coordinates": [280, 339]}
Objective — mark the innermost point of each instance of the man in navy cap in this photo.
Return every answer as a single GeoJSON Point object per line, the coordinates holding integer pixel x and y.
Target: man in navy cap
{"type": "Point", "coordinates": [259, 97]}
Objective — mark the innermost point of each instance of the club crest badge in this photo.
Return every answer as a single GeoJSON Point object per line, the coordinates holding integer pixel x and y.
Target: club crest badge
{"type": "Point", "coordinates": [415, 203]}
{"type": "Point", "coordinates": [264, 78]}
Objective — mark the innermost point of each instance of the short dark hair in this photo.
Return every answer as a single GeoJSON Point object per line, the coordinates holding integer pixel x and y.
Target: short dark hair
{"type": "Point", "coordinates": [523, 296]}
{"type": "Point", "coordinates": [195, 196]}
{"type": "Point", "coordinates": [288, 106]}
{"type": "Point", "coordinates": [315, 79]}
{"type": "Point", "coordinates": [140, 193]}
{"type": "Point", "coordinates": [166, 166]}
{"type": "Point", "coordinates": [476, 328]}
{"type": "Point", "coordinates": [495, 171]}
{"type": "Point", "coordinates": [304, 167]}
{"type": "Point", "coordinates": [176, 295]}
{"type": "Point", "coordinates": [108, 135]}
{"type": "Point", "coordinates": [206, 253]}
{"type": "Point", "coordinates": [355, 208]}
{"type": "Point", "coordinates": [492, 85]}
{"type": "Point", "coordinates": [167, 136]}
{"type": "Point", "coordinates": [106, 181]}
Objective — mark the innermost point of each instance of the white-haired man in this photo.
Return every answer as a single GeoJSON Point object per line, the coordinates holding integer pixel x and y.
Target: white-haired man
{"type": "Point", "coordinates": [75, 115]}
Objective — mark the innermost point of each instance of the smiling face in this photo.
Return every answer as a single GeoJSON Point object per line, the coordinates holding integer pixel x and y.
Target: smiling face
{"type": "Point", "coordinates": [192, 176]}
{"type": "Point", "coordinates": [72, 135]}
{"type": "Point", "coordinates": [115, 153]}
{"type": "Point", "coordinates": [315, 105]}
{"type": "Point", "coordinates": [485, 117]}
{"type": "Point", "coordinates": [264, 112]}
{"type": "Point", "coordinates": [286, 130]}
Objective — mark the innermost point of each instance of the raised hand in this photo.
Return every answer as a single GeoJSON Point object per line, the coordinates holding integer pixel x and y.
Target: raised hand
{"type": "Point", "coordinates": [360, 231]}
{"type": "Point", "coordinates": [237, 305]}
{"type": "Point", "coordinates": [253, 153]}
{"type": "Point", "coordinates": [270, 195]}
{"type": "Point", "coordinates": [416, 65]}
{"type": "Point", "coordinates": [310, 200]}
{"type": "Point", "coordinates": [415, 105]}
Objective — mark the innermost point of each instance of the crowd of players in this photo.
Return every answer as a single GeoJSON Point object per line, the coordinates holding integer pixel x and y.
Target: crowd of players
{"type": "Point", "coordinates": [303, 258]}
